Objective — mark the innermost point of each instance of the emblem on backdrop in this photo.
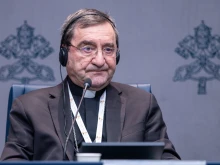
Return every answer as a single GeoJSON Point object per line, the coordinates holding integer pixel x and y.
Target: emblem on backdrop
{"type": "Point", "coordinates": [22, 49]}
{"type": "Point", "coordinates": [202, 50]}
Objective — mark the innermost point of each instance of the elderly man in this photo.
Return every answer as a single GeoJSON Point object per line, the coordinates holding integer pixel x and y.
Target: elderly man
{"type": "Point", "coordinates": [41, 121]}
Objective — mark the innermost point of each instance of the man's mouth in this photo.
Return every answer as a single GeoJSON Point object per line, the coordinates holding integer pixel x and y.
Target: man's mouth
{"type": "Point", "coordinates": [97, 71]}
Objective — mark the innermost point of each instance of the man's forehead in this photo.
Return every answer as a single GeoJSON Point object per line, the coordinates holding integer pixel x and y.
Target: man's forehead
{"type": "Point", "coordinates": [99, 31]}
{"type": "Point", "coordinates": [78, 26]}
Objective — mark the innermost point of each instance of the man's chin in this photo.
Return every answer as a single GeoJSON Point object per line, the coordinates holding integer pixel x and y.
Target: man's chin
{"type": "Point", "coordinates": [98, 85]}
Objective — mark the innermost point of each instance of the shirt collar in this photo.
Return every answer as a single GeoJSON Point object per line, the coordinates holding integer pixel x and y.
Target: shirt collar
{"type": "Point", "coordinates": [77, 90]}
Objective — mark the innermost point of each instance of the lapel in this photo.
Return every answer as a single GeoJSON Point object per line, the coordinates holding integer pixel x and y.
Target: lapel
{"type": "Point", "coordinates": [115, 113]}
{"type": "Point", "coordinates": [61, 116]}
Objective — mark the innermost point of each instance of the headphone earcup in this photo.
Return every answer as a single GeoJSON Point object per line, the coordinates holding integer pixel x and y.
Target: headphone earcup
{"type": "Point", "coordinates": [63, 56]}
{"type": "Point", "coordinates": [117, 57]}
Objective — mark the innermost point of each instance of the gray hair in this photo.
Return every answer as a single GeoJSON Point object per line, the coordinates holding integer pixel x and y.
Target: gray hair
{"type": "Point", "coordinates": [84, 18]}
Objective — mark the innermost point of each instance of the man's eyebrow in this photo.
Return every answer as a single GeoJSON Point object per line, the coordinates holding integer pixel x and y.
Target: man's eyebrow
{"type": "Point", "coordinates": [109, 44]}
{"type": "Point", "coordinates": [85, 42]}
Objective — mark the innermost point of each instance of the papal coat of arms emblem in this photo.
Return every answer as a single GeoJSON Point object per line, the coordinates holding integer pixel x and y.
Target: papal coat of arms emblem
{"type": "Point", "coordinates": [203, 48]}
{"type": "Point", "coordinates": [23, 49]}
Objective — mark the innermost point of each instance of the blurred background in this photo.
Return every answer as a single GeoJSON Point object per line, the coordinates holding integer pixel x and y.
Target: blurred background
{"type": "Point", "coordinates": [172, 44]}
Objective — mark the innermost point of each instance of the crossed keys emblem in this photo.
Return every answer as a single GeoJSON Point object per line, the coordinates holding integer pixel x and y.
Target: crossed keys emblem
{"type": "Point", "coordinates": [22, 49]}
{"type": "Point", "coordinates": [202, 48]}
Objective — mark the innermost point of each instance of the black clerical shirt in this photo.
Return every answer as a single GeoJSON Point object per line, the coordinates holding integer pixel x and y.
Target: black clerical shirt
{"type": "Point", "coordinates": [89, 113]}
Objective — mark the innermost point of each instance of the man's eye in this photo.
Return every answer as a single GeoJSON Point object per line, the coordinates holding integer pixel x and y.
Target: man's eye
{"type": "Point", "coordinates": [87, 49]}
{"type": "Point", "coordinates": [108, 50]}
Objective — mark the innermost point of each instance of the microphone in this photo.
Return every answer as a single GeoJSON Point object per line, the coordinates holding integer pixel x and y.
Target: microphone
{"type": "Point", "coordinates": [87, 84]}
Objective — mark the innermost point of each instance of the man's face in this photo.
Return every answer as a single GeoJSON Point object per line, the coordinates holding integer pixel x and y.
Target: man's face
{"type": "Point", "coordinates": [98, 67]}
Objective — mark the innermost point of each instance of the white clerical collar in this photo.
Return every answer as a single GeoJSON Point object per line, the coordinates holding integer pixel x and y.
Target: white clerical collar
{"type": "Point", "coordinates": [90, 94]}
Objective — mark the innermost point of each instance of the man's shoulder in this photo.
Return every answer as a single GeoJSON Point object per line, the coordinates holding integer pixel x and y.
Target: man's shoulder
{"type": "Point", "coordinates": [42, 93]}
{"type": "Point", "coordinates": [128, 89]}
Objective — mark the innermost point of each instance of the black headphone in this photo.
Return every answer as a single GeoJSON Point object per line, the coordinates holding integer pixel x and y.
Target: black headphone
{"type": "Point", "coordinates": [63, 54]}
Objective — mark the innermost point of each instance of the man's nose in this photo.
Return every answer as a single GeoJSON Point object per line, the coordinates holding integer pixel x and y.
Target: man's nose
{"type": "Point", "coordinates": [99, 59]}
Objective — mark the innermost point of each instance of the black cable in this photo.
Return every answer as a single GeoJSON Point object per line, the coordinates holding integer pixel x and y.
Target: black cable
{"type": "Point", "coordinates": [64, 114]}
{"type": "Point", "coordinates": [64, 101]}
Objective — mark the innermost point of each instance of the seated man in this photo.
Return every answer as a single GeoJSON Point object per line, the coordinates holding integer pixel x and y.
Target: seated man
{"type": "Point", "coordinates": [41, 121]}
